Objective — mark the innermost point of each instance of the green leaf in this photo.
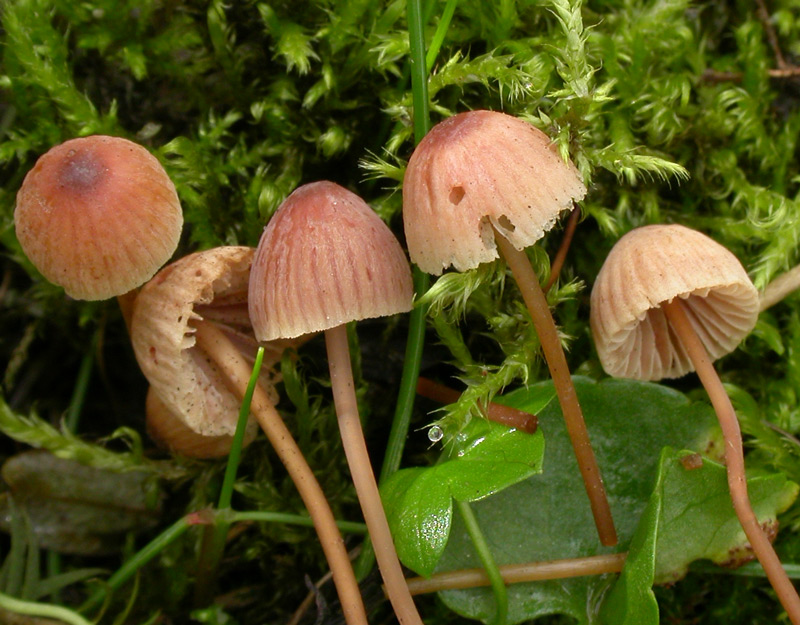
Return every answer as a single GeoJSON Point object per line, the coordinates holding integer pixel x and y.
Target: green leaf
{"type": "Point", "coordinates": [689, 517]}
{"type": "Point", "coordinates": [547, 517]}
{"type": "Point", "coordinates": [486, 458]}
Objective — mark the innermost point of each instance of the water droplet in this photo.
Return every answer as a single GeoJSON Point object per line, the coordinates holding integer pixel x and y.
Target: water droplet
{"type": "Point", "coordinates": [435, 434]}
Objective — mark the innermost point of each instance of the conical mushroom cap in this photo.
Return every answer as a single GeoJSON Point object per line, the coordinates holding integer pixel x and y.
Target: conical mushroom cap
{"type": "Point", "coordinates": [655, 264]}
{"type": "Point", "coordinates": [476, 170]}
{"type": "Point", "coordinates": [325, 259]}
{"type": "Point", "coordinates": [98, 216]}
{"type": "Point", "coordinates": [207, 285]}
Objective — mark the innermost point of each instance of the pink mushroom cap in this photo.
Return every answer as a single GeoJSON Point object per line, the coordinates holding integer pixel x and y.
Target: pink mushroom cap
{"type": "Point", "coordinates": [325, 259]}
{"type": "Point", "coordinates": [98, 216]}
{"type": "Point", "coordinates": [479, 170]}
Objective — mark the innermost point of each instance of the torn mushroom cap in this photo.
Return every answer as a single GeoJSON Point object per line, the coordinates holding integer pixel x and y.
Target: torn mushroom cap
{"type": "Point", "coordinates": [209, 285]}
{"type": "Point", "coordinates": [655, 264]}
{"type": "Point", "coordinates": [325, 259]}
{"type": "Point", "coordinates": [98, 216]}
{"type": "Point", "coordinates": [169, 431]}
{"type": "Point", "coordinates": [476, 170]}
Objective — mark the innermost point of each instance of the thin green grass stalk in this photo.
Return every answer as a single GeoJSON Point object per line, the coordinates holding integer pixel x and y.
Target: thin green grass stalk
{"type": "Point", "coordinates": [81, 385]}
{"type": "Point", "coordinates": [41, 610]}
{"type": "Point", "coordinates": [438, 36]}
{"type": "Point", "coordinates": [144, 555]}
{"type": "Point", "coordinates": [349, 527]}
{"type": "Point", "coordinates": [487, 559]}
{"type": "Point", "coordinates": [213, 544]}
{"type": "Point", "coordinates": [416, 330]}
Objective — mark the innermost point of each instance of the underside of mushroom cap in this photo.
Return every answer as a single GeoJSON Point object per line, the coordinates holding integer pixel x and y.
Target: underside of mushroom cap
{"type": "Point", "coordinates": [656, 264]}
{"type": "Point", "coordinates": [210, 285]}
{"type": "Point", "coordinates": [479, 170]}
{"type": "Point", "coordinates": [98, 216]}
{"type": "Point", "coordinates": [325, 259]}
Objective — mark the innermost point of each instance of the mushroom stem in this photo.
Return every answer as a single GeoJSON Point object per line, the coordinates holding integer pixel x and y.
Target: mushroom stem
{"type": "Point", "coordinates": [355, 448]}
{"type": "Point", "coordinates": [779, 288]}
{"type": "Point", "coordinates": [561, 254]}
{"type": "Point", "coordinates": [505, 415]}
{"type": "Point", "coordinates": [517, 573]}
{"type": "Point", "coordinates": [232, 364]}
{"type": "Point", "coordinates": [734, 458]}
{"type": "Point", "coordinates": [545, 327]}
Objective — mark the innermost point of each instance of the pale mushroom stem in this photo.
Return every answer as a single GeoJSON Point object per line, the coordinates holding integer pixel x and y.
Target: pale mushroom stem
{"type": "Point", "coordinates": [355, 448]}
{"type": "Point", "coordinates": [734, 458]}
{"type": "Point", "coordinates": [545, 327]}
{"type": "Point", "coordinates": [779, 288]}
{"type": "Point", "coordinates": [518, 573]}
{"type": "Point", "coordinates": [237, 373]}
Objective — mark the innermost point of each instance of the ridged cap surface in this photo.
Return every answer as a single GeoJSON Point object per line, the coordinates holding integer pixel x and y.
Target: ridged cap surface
{"type": "Point", "coordinates": [655, 264]}
{"type": "Point", "coordinates": [476, 170]}
{"type": "Point", "coordinates": [98, 216]}
{"type": "Point", "coordinates": [325, 259]}
{"type": "Point", "coordinates": [209, 285]}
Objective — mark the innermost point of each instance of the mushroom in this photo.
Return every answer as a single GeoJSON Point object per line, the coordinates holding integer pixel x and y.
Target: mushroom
{"type": "Point", "coordinates": [482, 184]}
{"type": "Point", "coordinates": [98, 216]}
{"type": "Point", "coordinates": [326, 259]}
{"type": "Point", "coordinates": [192, 337]}
{"type": "Point", "coordinates": [667, 301]}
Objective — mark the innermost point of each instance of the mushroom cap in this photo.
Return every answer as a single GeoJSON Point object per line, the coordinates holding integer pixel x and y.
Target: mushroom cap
{"type": "Point", "coordinates": [476, 170]}
{"type": "Point", "coordinates": [204, 285]}
{"type": "Point", "coordinates": [325, 259]}
{"type": "Point", "coordinates": [169, 431]}
{"type": "Point", "coordinates": [98, 216]}
{"type": "Point", "coordinates": [655, 264]}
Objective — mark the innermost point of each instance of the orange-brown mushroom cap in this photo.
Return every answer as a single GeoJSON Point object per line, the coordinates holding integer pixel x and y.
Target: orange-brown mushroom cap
{"type": "Point", "coordinates": [325, 259]}
{"type": "Point", "coordinates": [655, 264]}
{"type": "Point", "coordinates": [479, 170]}
{"type": "Point", "coordinates": [98, 216]}
{"type": "Point", "coordinates": [162, 333]}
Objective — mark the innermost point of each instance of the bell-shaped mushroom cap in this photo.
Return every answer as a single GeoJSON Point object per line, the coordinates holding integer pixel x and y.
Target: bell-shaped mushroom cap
{"type": "Point", "coordinates": [325, 259]}
{"type": "Point", "coordinates": [98, 216]}
{"type": "Point", "coordinates": [208, 285]}
{"type": "Point", "coordinates": [476, 170]}
{"type": "Point", "coordinates": [169, 431]}
{"type": "Point", "coordinates": [653, 265]}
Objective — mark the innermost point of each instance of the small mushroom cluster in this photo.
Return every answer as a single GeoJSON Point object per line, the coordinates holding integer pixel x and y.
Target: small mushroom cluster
{"type": "Point", "coordinates": [481, 185]}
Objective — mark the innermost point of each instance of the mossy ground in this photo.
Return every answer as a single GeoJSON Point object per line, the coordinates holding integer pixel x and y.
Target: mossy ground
{"type": "Point", "coordinates": [673, 111]}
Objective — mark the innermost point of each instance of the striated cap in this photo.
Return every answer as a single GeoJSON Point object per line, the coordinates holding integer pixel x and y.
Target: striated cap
{"type": "Point", "coordinates": [98, 216]}
{"type": "Point", "coordinates": [476, 170]}
{"type": "Point", "coordinates": [169, 431]}
{"type": "Point", "coordinates": [325, 259]}
{"type": "Point", "coordinates": [655, 264]}
{"type": "Point", "coordinates": [212, 286]}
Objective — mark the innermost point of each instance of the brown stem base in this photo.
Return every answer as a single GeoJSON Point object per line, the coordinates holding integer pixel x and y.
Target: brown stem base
{"type": "Point", "coordinates": [219, 349]}
{"type": "Point", "coordinates": [536, 302]}
{"type": "Point", "coordinates": [734, 459]}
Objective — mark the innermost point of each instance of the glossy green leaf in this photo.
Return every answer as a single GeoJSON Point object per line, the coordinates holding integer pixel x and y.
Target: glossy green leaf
{"type": "Point", "coordinates": [547, 516]}
{"type": "Point", "coordinates": [689, 517]}
{"type": "Point", "coordinates": [485, 459]}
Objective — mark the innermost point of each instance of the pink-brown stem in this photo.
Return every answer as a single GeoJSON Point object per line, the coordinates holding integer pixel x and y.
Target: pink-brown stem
{"type": "Point", "coordinates": [561, 255]}
{"type": "Point", "coordinates": [355, 448]}
{"type": "Point", "coordinates": [734, 458]}
{"type": "Point", "coordinates": [505, 415]}
{"type": "Point", "coordinates": [237, 372]}
{"type": "Point", "coordinates": [517, 573]}
{"type": "Point", "coordinates": [539, 310]}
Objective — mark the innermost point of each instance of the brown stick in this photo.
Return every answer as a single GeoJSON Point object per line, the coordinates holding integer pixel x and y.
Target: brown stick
{"type": "Point", "coordinates": [355, 448]}
{"type": "Point", "coordinates": [516, 573]}
{"type": "Point", "coordinates": [561, 255]}
{"type": "Point", "coordinates": [536, 302]}
{"type": "Point", "coordinates": [505, 415]}
{"type": "Point", "coordinates": [734, 458]}
{"type": "Point", "coordinates": [237, 372]}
